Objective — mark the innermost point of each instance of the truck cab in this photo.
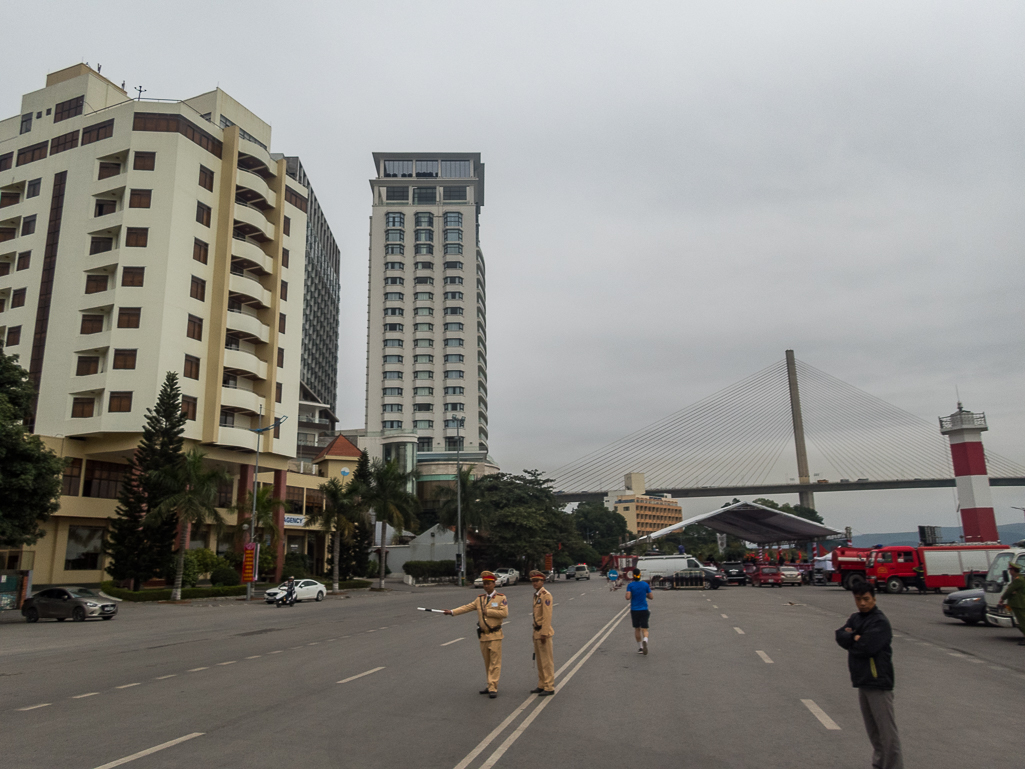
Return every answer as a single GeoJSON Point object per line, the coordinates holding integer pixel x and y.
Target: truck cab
{"type": "Point", "coordinates": [996, 580]}
{"type": "Point", "coordinates": [893, 568]}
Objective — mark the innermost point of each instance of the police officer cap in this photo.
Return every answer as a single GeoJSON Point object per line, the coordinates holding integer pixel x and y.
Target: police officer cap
{"type": "Point", "coordinates": [1015, 566]}
{"type": "Point", "coordinates": [535, 574]}
{"type": "Point", "coordinates": [487, 575]}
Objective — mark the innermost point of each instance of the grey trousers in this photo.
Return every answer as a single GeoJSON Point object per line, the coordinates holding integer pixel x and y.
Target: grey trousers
{"type": "Point", "coordinates": [877, 710]}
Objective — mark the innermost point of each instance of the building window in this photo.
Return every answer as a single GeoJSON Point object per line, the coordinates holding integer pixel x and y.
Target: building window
{"type": "Point", "coordinates": [394, 236]}
{"type": "Point", "coordinates": [393, 249]}
{"type": "Point", "coordinates": [125, 359]}
{"type": "Point", "coordinates": [284, 291]}
{"type": "Point", "coordinates": [206, 178]}
{"type": "Point", "coordinates": [453, 235]}
{"type": "Point", "coordinates": [423, 311]}
{"type": "Point", "coordinates": [455, 407]}
{"type": "Point", "coordinates": [91, 324]}
{"type": "Point", "coordinates": [394, 266]}
{"type": "Point", "coordinates": [82, 408]}
{"type": "Point", "coordinates": [31, 154]}
{"type": "Point", "coordinates": [227, 418]}
{"type": "Point", "coordinates": [5, 161]}
{"type": "Point", "coordinates": [455, 169]}
{"type": "Point", "coordinates": [278, 392]}
{"type": "Point", "coordinates": [423, 343]}
{"type": "Point", "coordinates": [9, 199]}
{"type": "Point", "coordinates": [105, 207]}
{"type": "Point", "coordinates": [13, 336]}
{"type": "Point", "coordinates": [454, 280]}
{"type": "Point", "coordinates": [120, 402]}
{"type": "Point", "coordinates": [394, 281]}
{"type": "Point", "coordinates": [423, 236]}
{"type": "Point", "coordinates": [425, 444]}
{"type": "Point", "coordinates": [425, 195]}
{"type": "Point", "coordinates": [103, 479]}
{"type": "Point", "coordinates": [191, 367]}
{"type": "Point", "coordinates": [393, 296]}
{"type": "Point", "coordinates": [95, 133]}
{"type": "Point", "coordinates": [144, 161]}
{"type": "Point", "coordinates": [392, 407]}
{"type": "Point", "coordinates": [394, 220]}
{"type": "Point", "coordinates": [28, 225]}
{"type": "Point", "coordinates": [424, 280]}
{"type": "Point", "coordinates": [454, 390]}
{"type": "Point", "coordinates": [423, 359]}
{"type": "Point", "coordinates": [133, 277]}
{"type": "Point", "coordinates": [197, 289]}
{"type": "Point", "coordinates": [423, 391]}
{"type": "Point", "coordinates": [95, 284]}
{"type": "Point", "coordinates": [68, 109]}
{"type": "Point", "coordinates": [453, 219]}
{"type": "Point", "coordinates": [72, 477]}
{"type": "Point", "coordinates": [452, 443]}
{"type": "Point", "coordinates": [454, 374]}
{"type": "Point", "coordinates": [203, 214]}
{"type": "Point", "coordinates": [32, 189]}
{"type": "Point", "coordinates": [277, 429]}
{"type": "Point", "coordinates": [64, 142]}
{"type": "Point", "coordinates": [129, 317]}
{"type": "Point", "coordinates": [286, 227]}
{"type": "Point", "coordinates": [24, 260]}
{"type": "Point", "coordinates": [396, 194]}
{"type": "Point", "coordinates": [393, 375]}
{"type": "Point", "coordinates": [200, 251]}
{"type": "Point", "coordinates": [18, 298]}
{"type": "Point", "coordinates": [392, 327]}
{"type": "Point", "coordinates": [423, 296]}
{"type": "Point", "coordinates": [424, 249]}
{"type": "Point", "coordinates": [284, 257]}
{"type": "Point", "coordinates": [453, 295]}
{"type": "Point", "coordinates": [26, 123]}
{"type": "Point", "coordinates": [393, 359]}
{"type": "Point", "coordinates": [427, 169]}
{"type": "Point", "coordinates": [394, 169]}
{"type": "Point", "coordinates": [231, 342]}
{"type": "Point", "coordinates": [454, 342]}
{"type": "Point", "coordinates": [84, 548]}
{"type": "Point", "coordinates": [140, 199]}
{"type": "Point", "coordinates": [110, 169]}
{"type": "Point", "coordinates": [98, 245]}
{"type": "Point", "coordinates": [453, 310]}
{"type": "Point", "coordinates": [189, 407]}
{"type": "Point", "coordinates": [393, 343]}
{"type": "Point", "coordinates": [394, 311]}
{"type": "Point", "coordinates": [87, 364]}
{"type": "Point", "coordinates": [423, 375]}
{"type": "Point", "coordinates": [5, 269]}
{"type": "Point", "coordinates": [137, 237]}
{"type": "Point", "coordinates": [281, 323]}
{"type": "Point", "coordinates": [391, 392]}
{"type": "Point", "coordinates": [423, 407]}
{"type": "Point", "coordinates": [391, 424]}
{"type": "Point", "coordinates": [194, 330]}
{"type": "Point", "coordinates": [281, 357]}
{"type": "Point", "coordinates": [423, 327]}
{"type": "Point", "coordinates": [453, 265]}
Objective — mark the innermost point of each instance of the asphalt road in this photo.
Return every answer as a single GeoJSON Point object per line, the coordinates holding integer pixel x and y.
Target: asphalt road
{"type": "Point", "coordinates": [738, 677]}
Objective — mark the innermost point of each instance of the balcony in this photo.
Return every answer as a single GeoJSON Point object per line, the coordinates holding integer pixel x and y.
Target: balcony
{"type": "Point", "coordinates": [252, 223]}
{"type": "Point", "coordinates": [253, 157]}
{"type": "Point", "coordinates": [254, 189]}
{"type": "Point", "coordinates": [102, 302]}
{"type": "Point", "coordinates": [242, 363]}
{"type": "Point", "coordinates": [237, 437]}
{"type": "Point", "coordinates": [251, 256]}
{"type": "Point", "coordinates": [241, 400]}
{"type": "Point", "coordinates": [248, 327]}
{"type": "Point", "coordinates": [249, 291]}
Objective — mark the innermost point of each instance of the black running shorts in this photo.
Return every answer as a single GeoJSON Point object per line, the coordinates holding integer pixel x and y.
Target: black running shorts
{"type": "Point", "coordinates": [640, 618]}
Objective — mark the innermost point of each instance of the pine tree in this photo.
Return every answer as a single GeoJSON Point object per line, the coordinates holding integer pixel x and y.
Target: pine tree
{"type": "Point", "coordinates": [139, 552]}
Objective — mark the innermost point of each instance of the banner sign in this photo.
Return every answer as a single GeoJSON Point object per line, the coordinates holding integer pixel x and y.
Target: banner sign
{"type": "Point", "coordinates": [249, 561]}
{"type": "Point", "coordinates": [548, 561]}
{"type": "Point", "coordinates": [295, 520]}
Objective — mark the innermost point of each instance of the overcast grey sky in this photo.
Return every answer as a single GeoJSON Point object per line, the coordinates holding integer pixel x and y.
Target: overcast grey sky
{"type": "Point", "coordinates": [676, 192]}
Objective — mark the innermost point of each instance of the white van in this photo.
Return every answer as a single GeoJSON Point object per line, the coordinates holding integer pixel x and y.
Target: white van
{"type": "Point", "coordinates": [664, 565]}
{"type": "Point", "coordinates": [996, 581]}
{"type": "Point", "coordinates": [580, 571]}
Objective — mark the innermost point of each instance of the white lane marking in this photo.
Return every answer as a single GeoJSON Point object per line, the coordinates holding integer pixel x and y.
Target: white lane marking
{"type": "Point", "coordinates": [583, 594]}
{"type": "Point", "coordinates": [494, 757]}
{"type": "Point", "coordinates": [458, 640]}
{"type": "Point", "coordinates": [977, 662]}
{"type": "Point", "coordinates": [161, 678]}
{"type": "Point", "coordinates": [531, 699]}
{"type": "Point", "coordinates": [296, 647]}
{"type": "Point", "coordinates": [313, 643]}
{"type": "Point", "coordinates": [571, 599]}
{"type": "Point", "coordinates": [277, 652]}
{"type": "Point", "coordinates": [34, 707]}
{"type": "Point", "coordinates": [255, 656]}
{"type": "Point", "coordinates": [724, 616]}
{"type": "Point", "coordinates": [369, 631]}
{"type": "Point", "coordinates": [232, 662]}
{"type": "Point", "coordinates": [384, 628]}
{"type": "Point", "coordinates": [126, 686]}
{"type": "Point", "coordinates": [365, 673]}
{"type": "Point", "coordinates": [765, 657]}
{"type": "Point", "coordinates": [332, 639]}
{"type": "Point", "coordinates": [82, 696]}
{"type": "Point", "coordinates": [820, 714]}
{"type": "Point", "coordinates": [196, 670]}
{"type": "Point", "coordinates": [739, 631]}
{"type": "Point", "coordinates": [714, 606]}
{"type": "Point", "coordinates": [149, 751]}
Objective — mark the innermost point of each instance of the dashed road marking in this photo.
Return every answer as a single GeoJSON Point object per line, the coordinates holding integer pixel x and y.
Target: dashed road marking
{"type": "Point", "coordinates": [739, 631]}
{"type": "Point", "coordinates": [765, 657]}
{"type": "Point", "coordinates": [820, 714]}
{"type": "Point", "coordinates": [230, 662]}
{"type": "Point", "coordinates": [196, 670]}
{"type": "Point", "coordinates": [458, 639]}
{"type": "Point", "coordinates": [957, 654]}
{"type": "Point", "coordinates": [149, 751]}
{"type": "Point", "coordinates": [313, 643]}
{"type": "Point", "coordinates": [360, 675]}
{"type": "Point", "coordinates": [714, 606]}
{"type": "Point", "coordinates": [82, 696]}
{"type": "Point", "coordinates": [724, 616]}
{"type": "Point", "coordinates": [161, 678]}
{"type": "Point", "coordinates": [34, 707]}
{"type": "Point", "coordinates": [255, 656]}
{"type": "Point", "coordinates": [277, 652]}
{"type": "Point", "coordinates": [126, 686]}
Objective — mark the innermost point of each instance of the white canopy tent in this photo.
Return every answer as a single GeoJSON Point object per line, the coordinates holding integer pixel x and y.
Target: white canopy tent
{"type": "Point", "coordinates": [752, 523]}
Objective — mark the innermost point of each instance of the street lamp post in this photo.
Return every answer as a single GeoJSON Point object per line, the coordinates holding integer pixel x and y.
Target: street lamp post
{"type": "Point", "coordinates": [256, 474]}
{"type": "Point", "coordinates": [461, 547]}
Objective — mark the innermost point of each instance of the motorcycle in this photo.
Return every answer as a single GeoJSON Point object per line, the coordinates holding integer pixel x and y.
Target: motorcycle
{"type": "Point", "coordinates": [286, 599]}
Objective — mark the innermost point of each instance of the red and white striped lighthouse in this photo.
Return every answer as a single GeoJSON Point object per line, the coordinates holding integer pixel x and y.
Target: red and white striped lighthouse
{"type": "Point", "coordinates": [965, 432]}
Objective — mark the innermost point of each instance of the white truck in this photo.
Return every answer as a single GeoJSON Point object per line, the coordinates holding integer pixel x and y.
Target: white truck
{"type": "Point", "coordinates": [996, 581]}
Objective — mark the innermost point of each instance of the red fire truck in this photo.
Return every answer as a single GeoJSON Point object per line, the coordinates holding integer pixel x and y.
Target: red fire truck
{"type": "Point", "coordinates": [849, 565]}
{"type": "Point", "coordinates": [931, 568]}
{"type": "Point", "coordinates": [621, 563]}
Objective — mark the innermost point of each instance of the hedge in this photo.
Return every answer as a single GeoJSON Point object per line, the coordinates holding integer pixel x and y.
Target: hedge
{"type": "Point", "coordinates": [422, 570]}
{"type": "Point", "coordinates": [165, 594]}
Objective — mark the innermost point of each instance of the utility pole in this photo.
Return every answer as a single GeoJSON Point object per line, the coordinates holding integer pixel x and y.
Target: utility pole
{"type": "Point", "coordinates": [256, 474]}
{"type": "Point", "coordinates": [807, 498]}
{"type": "Point", "coordinates": [460, 547]}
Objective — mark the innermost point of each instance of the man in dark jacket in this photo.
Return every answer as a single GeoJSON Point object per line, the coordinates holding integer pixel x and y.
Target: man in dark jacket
{"type": "Point", "coordinates": [867, 636]}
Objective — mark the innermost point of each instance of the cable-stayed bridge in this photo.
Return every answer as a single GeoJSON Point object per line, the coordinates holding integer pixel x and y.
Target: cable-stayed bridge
{"type": "Point", "coordinates": [753, 438]}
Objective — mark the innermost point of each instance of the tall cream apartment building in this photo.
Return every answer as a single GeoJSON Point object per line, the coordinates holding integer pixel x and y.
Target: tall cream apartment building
{"type": "Point", "coordinates": [137, 238]}
{"type": "Point", "coordinates": [427, 369]}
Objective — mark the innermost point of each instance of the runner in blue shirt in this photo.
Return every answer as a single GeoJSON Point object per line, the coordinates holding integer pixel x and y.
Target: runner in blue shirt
{"type": "Point", "coordinates": [638, 593]}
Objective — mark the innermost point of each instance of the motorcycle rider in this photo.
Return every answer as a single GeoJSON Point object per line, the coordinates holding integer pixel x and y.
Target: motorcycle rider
{"type": "Point", "coordinates": [289, 597]}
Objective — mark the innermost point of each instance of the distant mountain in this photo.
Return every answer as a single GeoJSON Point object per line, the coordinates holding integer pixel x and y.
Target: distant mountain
{"type": "Point", "coordinates": [1009, 532]}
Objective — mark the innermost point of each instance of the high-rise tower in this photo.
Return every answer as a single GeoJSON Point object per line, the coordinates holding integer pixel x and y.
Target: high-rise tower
{"type": "Point", "coordinates": [427, 335]}
{"type": "Point", "coordinates": [965, 432]}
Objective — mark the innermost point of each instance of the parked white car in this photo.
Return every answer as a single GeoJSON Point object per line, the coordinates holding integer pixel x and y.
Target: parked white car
{"type": "Point", "coordinates": [501, 580]}
{"type": "Point", "coordinates": [306, 590]}
{"type": "Point", "coordinates": [512, 575]}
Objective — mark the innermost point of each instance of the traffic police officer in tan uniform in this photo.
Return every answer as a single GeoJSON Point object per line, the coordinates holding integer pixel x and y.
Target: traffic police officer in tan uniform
{"type": "Point", "coordinates": [491, 608]}
{"type": "Point", "coordinates": [543, 632]}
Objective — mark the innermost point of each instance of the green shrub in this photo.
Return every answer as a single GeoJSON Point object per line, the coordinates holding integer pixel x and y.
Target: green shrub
{"type": "Point", "coordinates": [224, 575]}
{"type": "Point", "coordinates": [354, 584]}
{"type": "Point", "coordinates": [296, 565]}
{"type": "Point", "coordinates": [207, 560]}
{"type": "Point", "coordinates": [165, 593]}
{"type": "Point", "coordinates": [422, 570]}
{"type": "Point", "coordinates": [374, 569]}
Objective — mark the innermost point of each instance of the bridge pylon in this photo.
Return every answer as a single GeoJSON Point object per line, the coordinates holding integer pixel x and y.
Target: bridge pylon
{"type": "Point", "coordinates": [807, 498]}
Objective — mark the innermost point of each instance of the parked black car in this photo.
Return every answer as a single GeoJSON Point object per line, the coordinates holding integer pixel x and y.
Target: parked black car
{"type": "Point", "coordinates": [969, 606]}
{"type": "Point", "coordinates": [735, 574]}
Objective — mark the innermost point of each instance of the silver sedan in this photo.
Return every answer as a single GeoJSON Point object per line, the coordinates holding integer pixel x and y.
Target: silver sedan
{"type": "Point", "coordinates": [61, 603]}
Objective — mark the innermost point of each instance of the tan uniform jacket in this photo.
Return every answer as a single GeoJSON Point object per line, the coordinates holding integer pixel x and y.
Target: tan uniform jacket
{"type": "Point", "coordinates": [543, 615]}
{"type": "Point", "coordinates": [490, 613]}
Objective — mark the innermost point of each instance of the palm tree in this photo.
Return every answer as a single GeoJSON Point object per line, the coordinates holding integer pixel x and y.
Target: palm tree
{"type": "Point", "coordinates": [473, 513]}
{"type": "Point", "coordinates": [267, 506]}
{"type": "Point", "coordinates": [343, 510]}
{"type": "Point", "coordinates": [192, 501]}
{"type": "Point", "coordinates": [389, 496]}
